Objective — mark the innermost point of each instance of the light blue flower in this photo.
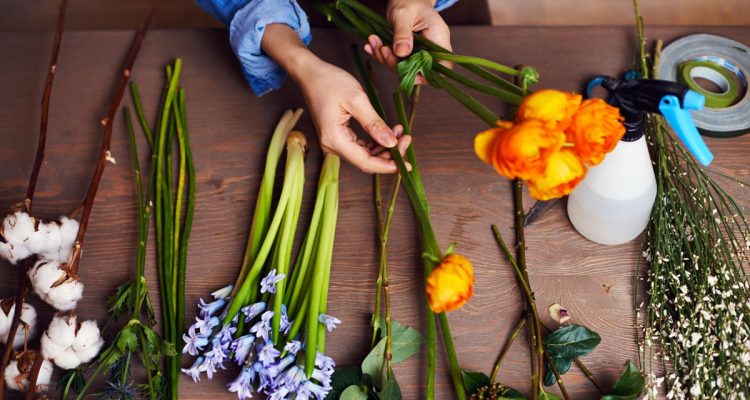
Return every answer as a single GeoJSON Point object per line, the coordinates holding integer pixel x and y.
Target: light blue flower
{"type": "Point", "coordinates": [205, 324]}
{"type": "Point", "coordinates": [309, 390]}
{"type": "Point", "coordinates": [251, 311]}
{"type": "Point", "coordinates": [209, 368]}
{"type": "Point", "coordinates": [193, 342]}
{"type": "Point", "coordinates": [194, 371]}
{"type": "Point", "coordinates": [268, 284]}
{"type": "Point", "coordinates": [278, 368]}
{"type": "Point", "coordinates": [324, 362]}
{"type": "Point", "coordinates": [293, 378]}
{"type": "Point", "coordinates": [268, 354]}
{"type": "Point", "coordinates": [293, 347]}
{"type": "Point", "coordinates": [243, 385]}
{"type": "Point", "coordinates": [280, 393]}
{"type": "Point", "coordinates": [266, 381]}
{"type": "Point", "coordinates": [323, 377]}
{"type": "Point", "coordinates": [329, 321]}
{"type": "Point", "coordinates": [210, 308]}
{"type": "Point", "coordinates": [223, 293]}
{"type": "Point", "coordinates": [225, 335]}
{"type": "Point", "coordinates": [285, 324]}
{"type": "Point", "coordinates": [217, 355]}
{"type": "Point", "coordinates": [242, 347]}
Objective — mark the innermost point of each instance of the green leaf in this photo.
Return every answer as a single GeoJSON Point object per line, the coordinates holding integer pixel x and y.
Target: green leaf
{"type": "Point", "coordinates": [121, 300]}
{"type": "Point", "coordinates": [562, 365]}
{"type": "Point", "coordinates": [127, 340]}
{"type": "Point", "coordinates": [76, 378]}
{"type": "Point", "coordinates": [418, 63]}
{"type": "Point", "coordinates": [342, 378]}
{"type": "Point", "coordinates": [571, 341]}
{"type": "Point", "coordinates": [473, 380]}
{"type": "Point", "coordinates": [391, 389]}
{"type": "Point", "coordinates": [354, 392]}
{"type": "Point", "coordinates": [406, 342]}
{"type": "Point", "coordinates": [629, 385]}
{"type": "Point", "coordinates": [547, 396]}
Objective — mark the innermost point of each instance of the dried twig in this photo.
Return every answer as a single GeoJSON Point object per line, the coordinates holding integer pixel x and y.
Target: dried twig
{"type": "Point", "coordinates": [31, 389]}
{"type": "Point", "coordinates": [106, 140]}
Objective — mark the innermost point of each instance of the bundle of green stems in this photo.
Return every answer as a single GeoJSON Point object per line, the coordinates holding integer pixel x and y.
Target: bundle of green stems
{"type": "Point", "coordinates": [695, 311]}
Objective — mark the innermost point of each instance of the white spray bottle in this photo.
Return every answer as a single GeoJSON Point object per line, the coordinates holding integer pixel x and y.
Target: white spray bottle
{"type": "Point", "coordinates": [612, 205]}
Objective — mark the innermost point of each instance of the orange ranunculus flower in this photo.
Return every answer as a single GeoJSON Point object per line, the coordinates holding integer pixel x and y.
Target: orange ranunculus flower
{"type": "Point", "coordinates": [595, 130]}
{"type": "Point", "coordinates": [450, 284]}
{"type": "Point", "coordinates": [520, 151]}
{"type": "Point", "coordinates": [553, 107]}
{"type": "Point", "coordinates": [564, 172]}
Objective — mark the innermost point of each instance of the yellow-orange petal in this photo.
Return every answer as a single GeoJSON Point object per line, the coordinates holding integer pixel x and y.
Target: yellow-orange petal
{"type": "Point", "coordinates": [484, 143]}
{"type": "Point", "coordinates": [451, 284]}
{"type": "Point", "coordinates": [563, 173]}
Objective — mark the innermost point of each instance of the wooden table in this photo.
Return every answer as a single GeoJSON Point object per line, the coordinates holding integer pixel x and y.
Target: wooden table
{"type": "Point", "coordinates": [230, 129]}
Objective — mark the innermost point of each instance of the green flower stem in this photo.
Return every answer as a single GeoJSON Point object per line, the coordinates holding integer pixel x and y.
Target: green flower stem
{"type": "Point", "coordinates": [384, 268]}
{"type": "Point", "coordinates": [558, 379]}
{"type": "Point", "coordinates": [139, 112]}
{"type": "Point", "coordinates": [330, 13]}
{"type": "Point", "coordinates": [327, 270]}
{"type": "Point", "coordinates": [302, 269]}
{"type": "Point", "coordinates": [261, 215]}
{"type": "Point", "coordinates": [482, 62]}
{"type": "Point", "coordinates": [450, 348]}
{"type": "Point", "coordinates": [246, 289]}
{"type": "Point", "coordinates": [378, 196]}
{"type": "Point", "coordinates": [322, 261]}
{"type": "Point", "coordinates": [431, 343]}
{"type": "Point", "coordinates": [142, 219]}
{"type": "Point", "coordinates": [516, 331]}
{"type": "Point", "coordinates": [295, 150]}
{"type": "Point", "coordinates": [467, 100]}
{"type": "Point", "coordinates": [506, 96]}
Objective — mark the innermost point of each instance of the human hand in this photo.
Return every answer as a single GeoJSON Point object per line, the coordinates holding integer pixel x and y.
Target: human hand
{"type": "Point", "coordinates": [333, 97]}
{"type": "Point", "coordinates": [408, 16]}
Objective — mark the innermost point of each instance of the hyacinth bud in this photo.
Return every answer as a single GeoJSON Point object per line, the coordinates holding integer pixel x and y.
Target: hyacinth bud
{"type": "Point", "coordinates": [55, 285]}
{"type": "Point", "coordinates": [69, 344]}
{"type": "Point", "coordinates": [26, 328]}
{"type": "Point", "coordinates": [18, 372]}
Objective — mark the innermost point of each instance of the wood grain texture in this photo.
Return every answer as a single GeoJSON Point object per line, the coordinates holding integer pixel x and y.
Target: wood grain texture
{"type": "Point", "coordinates": [230, 129]}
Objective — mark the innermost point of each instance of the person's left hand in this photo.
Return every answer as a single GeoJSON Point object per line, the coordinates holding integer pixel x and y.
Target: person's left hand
{"type": "Point", "coordinates": [407, 17]}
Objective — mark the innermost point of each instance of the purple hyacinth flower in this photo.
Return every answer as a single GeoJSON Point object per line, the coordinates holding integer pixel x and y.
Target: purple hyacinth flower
{"type": "Point", "coordinates": [322, 377]}
{"type": "Point", "coordinates": [217, 355]}
{"type": "Point", "coordinates": [243, 385]}
{"type": "Point", "coordinates": [268, 354]}
{"type": "Point", "coordinates": [242, 348]}
{"type": "Point", "coordinates": [268, 284]}
{"type": "Point", "coordinates": [204, 325]}
{"type": "Point", "coordinates": [209, 368]}
{"type": "Point", "coordinates": [278, 369]}
{"type": "Point", "coordinates": [225, 335]}
{"type": "Point", "coordinates": [193, 342]}
{"type": "Point", "coordinates": [266, 384]}
{"type": "Point", "coordinates": [324, 362]}
{"type": "Point", "coordinates": [194, 371]}
{"type": "Point", "coordinates": [223, 293]}
{"type": "Point", "coordinates": [293, 347]}
{"type": "Point", "coordinates": [281, 393]}
{"type": "Point", "coordinates": [210, 308]}
{"type": "Point", "coordinates": [309, 390]}
{"type": "Point", "coordinates": [253, 310]}
{"type": "Point", "coordinates": [329, 321]}
{"type": "Point", "coordinates": [263, 327]}
{"type": "Point", "coordinates": [293, 378]}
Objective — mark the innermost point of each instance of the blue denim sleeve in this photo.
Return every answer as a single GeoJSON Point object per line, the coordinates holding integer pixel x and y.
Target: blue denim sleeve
{"type": "Point", "coordinates": [441, 5]}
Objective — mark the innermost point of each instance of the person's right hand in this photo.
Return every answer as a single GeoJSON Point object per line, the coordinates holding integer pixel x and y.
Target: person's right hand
{"type": "Point", "coordinates": [333, 97]}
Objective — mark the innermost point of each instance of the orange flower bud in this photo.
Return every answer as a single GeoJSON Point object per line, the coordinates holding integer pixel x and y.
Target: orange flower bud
{"type": "Point", "coordinates": [595, 130]}
{"type": "Point", "coordinates": [553, 107]}
{"type": "Point", "coordinates": [564, 172]}
{"type": "Point", "coordinates": [450, 284]}
{"type": "Point", "coordinates": [521, 151]}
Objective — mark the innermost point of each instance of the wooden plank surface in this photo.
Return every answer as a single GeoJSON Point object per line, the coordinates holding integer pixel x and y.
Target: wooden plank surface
{"type": "Point", "coordinates": [230, 129]}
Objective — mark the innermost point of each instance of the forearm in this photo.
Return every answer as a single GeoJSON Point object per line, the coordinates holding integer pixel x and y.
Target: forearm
{"type": "Point", "coordinates": [283, 45]}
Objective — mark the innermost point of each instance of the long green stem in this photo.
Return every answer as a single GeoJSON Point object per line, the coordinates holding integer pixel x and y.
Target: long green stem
{"type": "Point", "coordinates": [508, 97]}
{"type": "Point", "coordinates": [482, 62]}
{"type": "Point", "coordinates": [516, 331]}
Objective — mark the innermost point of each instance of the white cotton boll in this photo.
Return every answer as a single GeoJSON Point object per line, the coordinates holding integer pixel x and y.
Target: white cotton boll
{"type": "Point", "coordinates": [88, 341]}
{"type": "Point", "coordinates": [44, 274]}
{"type": "Point", "coordinates": [50, 349]}
{"type": "Point", "coordinates": [45, 376]}
{"type": "Point", "coordinates": [5, 252]}
{"type": "Point", "coordinates": [11, 373]}
{"type": "Point", "coordinates": [62, 329]}
{"type": "Point", "coordinates": [26, 330]}
{"type": "Point", "coordinates": [65, 296]}
{"type": "Point", "coordinates": [46, 240]}
{"type": "Point", "coordinates": [5, 322]}
{"type": "Point", "coordinates": [67, 359]}
{"type": "Point", "coordinates": [18, 227]}
{"type": "Point", "coordinates": [68, 233]}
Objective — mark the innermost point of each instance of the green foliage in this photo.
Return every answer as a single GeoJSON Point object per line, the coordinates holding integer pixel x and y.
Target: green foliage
{"type": "Point", "coordinates": [72, 381]}
{"type": "Point", "coordinates": [349, 382]}
{"type": "Point", "coordinates": [629, 385]}
{"type": "Point", "coordinates": [474, 380]}
{"type": "Point", "coordinates": [565, 344]}
{"type": "Point", "coordinates": [547, 396]}
{"type": "Point", "coordinates": [419, 63]}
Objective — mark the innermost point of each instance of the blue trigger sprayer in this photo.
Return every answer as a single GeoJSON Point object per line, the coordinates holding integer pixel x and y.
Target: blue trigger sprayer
{"type": "Point", "coordinates": [612, 205]}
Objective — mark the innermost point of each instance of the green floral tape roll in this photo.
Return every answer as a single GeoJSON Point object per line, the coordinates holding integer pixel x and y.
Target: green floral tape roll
{"type": "Point", "coordinates": [714, 73]}
{"type": "Point", "coordinates": [727, 113]}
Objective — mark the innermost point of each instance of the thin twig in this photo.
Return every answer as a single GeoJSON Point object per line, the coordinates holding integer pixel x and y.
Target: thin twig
{"type": "Point", "coordinates": [506, 347]}
{"type": "Point", "coordinates": [557, 376]}
{"type": "Point", "coordinates": [106, 140]}
{"type": "Point", "coordinates": [22, 288]}
{"type": "Point", "coordinates": [45, 107]}
{"type": "Point", "coordinates": [31, 388]}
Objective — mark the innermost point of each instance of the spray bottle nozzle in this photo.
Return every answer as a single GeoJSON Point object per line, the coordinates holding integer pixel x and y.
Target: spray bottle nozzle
{"type": "Point", "coordinates": [670, 99]}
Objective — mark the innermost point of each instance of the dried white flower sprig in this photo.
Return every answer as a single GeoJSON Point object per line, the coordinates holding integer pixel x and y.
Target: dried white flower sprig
{"type": "Point", "coordinates": [69, 343]}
